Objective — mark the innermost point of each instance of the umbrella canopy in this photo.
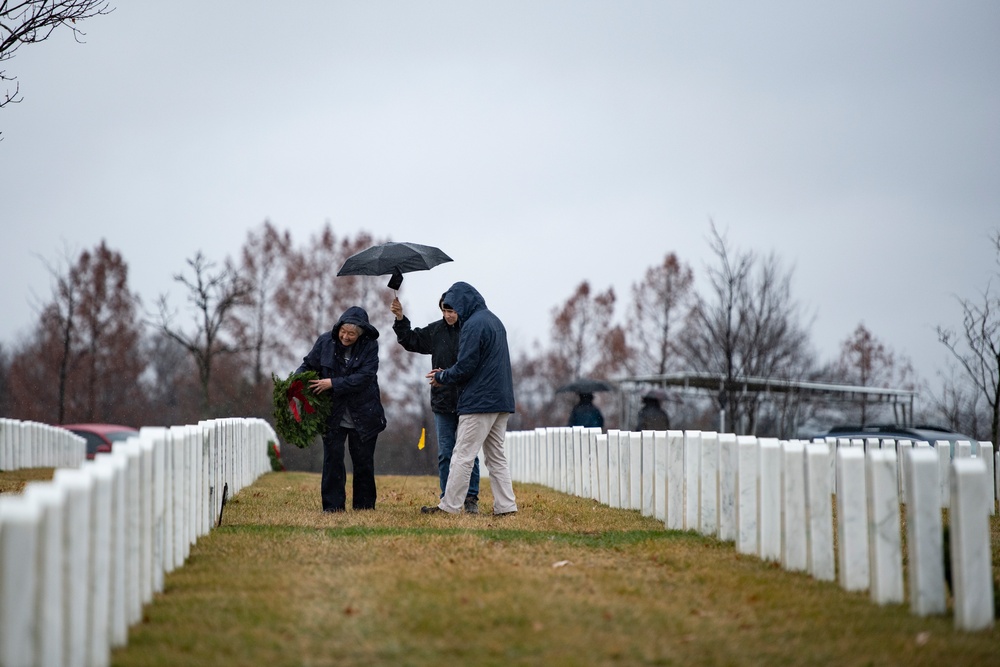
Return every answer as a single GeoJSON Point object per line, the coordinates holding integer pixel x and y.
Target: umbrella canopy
{"type": "Point", "coordinates": [585, 386]}
{"type": "Point", "coordinates": [393, 259]}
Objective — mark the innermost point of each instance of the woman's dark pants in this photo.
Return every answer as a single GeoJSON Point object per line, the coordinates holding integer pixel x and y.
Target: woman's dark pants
{"type": "Point", "coordinates": [335, 474]}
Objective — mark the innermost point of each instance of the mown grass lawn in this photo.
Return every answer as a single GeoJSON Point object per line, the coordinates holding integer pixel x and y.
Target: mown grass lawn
{"type": "Point", "coordinates": [564, 582]}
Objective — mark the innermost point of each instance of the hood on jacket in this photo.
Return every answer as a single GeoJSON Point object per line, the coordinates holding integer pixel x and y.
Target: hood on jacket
{"type": "Point", "coordinates": [464, 300]}
{"type": "Point", "coordinates": [358, 316]}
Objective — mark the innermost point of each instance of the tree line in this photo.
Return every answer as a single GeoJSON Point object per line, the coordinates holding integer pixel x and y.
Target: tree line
{"type": "Point", "coordinates": [96, 354]}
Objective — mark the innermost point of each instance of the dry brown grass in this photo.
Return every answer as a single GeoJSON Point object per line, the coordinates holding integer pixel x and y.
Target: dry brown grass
{"type": "Point", "coordinates": [13, 481]}
{"type": "Point", "coordinates": [564, 582]}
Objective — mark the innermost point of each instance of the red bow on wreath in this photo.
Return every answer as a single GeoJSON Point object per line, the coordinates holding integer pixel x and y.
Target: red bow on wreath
{"type": "Point", "coordinates": [295, 391]}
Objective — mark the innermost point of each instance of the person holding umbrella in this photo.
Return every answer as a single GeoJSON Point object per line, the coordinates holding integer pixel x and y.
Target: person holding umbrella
{"type": "Point", "coordinates": [346, 359]}
{"type": "Point", "coordinates": [483, 374]}
{"type": "Point", "coordinates": [440, 340]}
{"type": "Point", "coordinates": [585, 413]}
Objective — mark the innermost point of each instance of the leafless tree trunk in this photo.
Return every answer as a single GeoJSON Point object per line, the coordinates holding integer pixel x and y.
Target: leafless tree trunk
{"type": "Point", "coordinates": [659, 305]}
{"type": "Point", "coordinates": [62, 313]}
{"type": "Point", "coordinates": [977, 348]}
{"type": "Point", "coordinates": [213, 297]}
{"type": "Point", "coordinates": [262, 263]}
{"type": "Point", "coordinates": [751, 329]}
{"type": "Point", "coordinates": [867, 362]}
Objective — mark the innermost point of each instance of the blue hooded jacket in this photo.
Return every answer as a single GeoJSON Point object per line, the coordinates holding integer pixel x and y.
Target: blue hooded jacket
{"type": "Point", "coordinates": [355, 382]}
{"type": "Point", "coordinates": [482, 371]}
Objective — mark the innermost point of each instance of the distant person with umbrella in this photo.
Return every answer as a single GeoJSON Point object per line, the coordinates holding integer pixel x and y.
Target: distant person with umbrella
{"type": "Point", "coordinates": [440, 340]}
{"type": "Point", "coordinates": [483, 374]}
{"type": "Point", "coordinates": [651, 416]}
{"type": "Point", "coordinates": [346, 359]}
{"type": "Point", "coordinates": [585, 413]}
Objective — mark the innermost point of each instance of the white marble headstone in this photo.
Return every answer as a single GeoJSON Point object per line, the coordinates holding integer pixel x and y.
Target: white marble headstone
{"type": "Point", "coordinates": [708, 481]}
{"type": "Point", "coordinates": [925, 561]}
{"type": "Point", "coordinates": [614, 469]}
{"type": "Point", "coordinates": [852, 519]}
{"type": "Point", "coordinates": [648, 474]}
{"type": "Point", "coordinates": [727, 487]}
{"type": "Point", "coordinates": [943, 448]}
{"type": "Point", "coordinates": [747, 463]}
{"type": "Point", "coordinates": [675, 480]}
{"type": "Point", "coordinates": [692, 472]}
{"type": "Point", "coordinates": [769, 500]}
{"type": "Point", "coordinates": [971, 570]}
{"type": "Point", "coordinates": [819, 507]}
{"type": "Point", "coordinates": [794, 526]}
{"type": "Point", "coordinates": [602, 469]}
{"type": "Point", "coordinates": [884, 536]}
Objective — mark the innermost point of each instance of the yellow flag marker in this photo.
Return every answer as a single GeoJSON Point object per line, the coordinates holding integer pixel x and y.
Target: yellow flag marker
{"type": "Point", "coordinates": [423, 433]}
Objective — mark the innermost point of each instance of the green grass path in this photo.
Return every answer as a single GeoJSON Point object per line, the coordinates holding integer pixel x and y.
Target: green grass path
{"type": "Point", "coordinates": [564, 582]}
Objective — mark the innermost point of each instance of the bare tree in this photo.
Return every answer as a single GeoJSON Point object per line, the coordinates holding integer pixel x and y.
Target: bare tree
{"type": "Point", "coordinates": [865, 361]}
{"type": "Point", "coordinates": [659, 304]}
{"type": "Point", "coordinates": [213, 296]}
{"type": "Point", "coordinates": [977, 348]}
{"type": "Point", "coordinates": [254, 326]}
{"type": "Point", "coordinates": [169, 381]}
{"type": "Point", "coordinates": [84, 361]}
{"type": "Point", "coordinates": [580, 329]}
{"type": "Point", "coordinates": [751, 329]}
{"type": "Point", "coordinates": [959, 405]}
{"type": "Point", "coordinates": [32, 21]}
{"type": "Point", "coordinates": [62, 313]}
{"type": "Point", "coordinates": [313, 298]}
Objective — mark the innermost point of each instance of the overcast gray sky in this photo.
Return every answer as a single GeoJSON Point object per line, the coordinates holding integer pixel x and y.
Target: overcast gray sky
{"type": "Point", "coordinates": [538, 143]}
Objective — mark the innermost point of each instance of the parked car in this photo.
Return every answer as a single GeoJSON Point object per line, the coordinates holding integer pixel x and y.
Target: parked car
{"type": "Point", "coordinates": [100, 437]}
{"type": "Point", "coordinates": [927, 432]}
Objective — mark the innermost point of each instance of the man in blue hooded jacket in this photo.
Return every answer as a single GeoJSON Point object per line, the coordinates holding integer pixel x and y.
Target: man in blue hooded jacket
{"type": "Point", "coordinates": [482, 373]}
{"type": "Point", "coordinates": [440, 340]}
{"type": "Point", "coordinates": [346, 359]}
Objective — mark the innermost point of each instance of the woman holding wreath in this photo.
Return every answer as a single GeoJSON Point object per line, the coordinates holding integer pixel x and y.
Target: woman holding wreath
{"type": "Point", "coordinates": [346, 360]}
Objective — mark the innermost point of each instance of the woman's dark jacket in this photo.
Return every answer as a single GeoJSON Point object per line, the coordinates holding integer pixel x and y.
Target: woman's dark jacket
{"type": "Point", "coordinates": [482, 370]}
{"type": "Point", "coordinates": [439, 340]}
{"type": "Point", "coordinates": [355, 382]}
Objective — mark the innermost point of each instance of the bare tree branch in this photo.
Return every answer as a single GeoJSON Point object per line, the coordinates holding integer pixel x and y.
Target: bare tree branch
{"type": "Point", "coordinates": [32, 21]}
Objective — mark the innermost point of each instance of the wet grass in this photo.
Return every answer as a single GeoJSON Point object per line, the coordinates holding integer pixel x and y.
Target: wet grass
{"type": "Point", "coordinates": [564, 582]}
{"type": "Point", "coordinates": [13, 481]}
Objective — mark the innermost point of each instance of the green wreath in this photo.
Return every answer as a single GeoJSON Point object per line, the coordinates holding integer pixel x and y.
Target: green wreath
{"type": "Point", "coordinates": [299, 414]}
{"type": "Point", "coordinates": [274, 454]}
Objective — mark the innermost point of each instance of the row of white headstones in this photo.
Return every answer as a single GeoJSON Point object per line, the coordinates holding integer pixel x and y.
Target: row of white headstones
{"type": "Point", "coordinates": [29, 444]}
{"type": "Point", "coordinates": [775, 499]}
{"type": "Point", "coordinates": [81, 555]}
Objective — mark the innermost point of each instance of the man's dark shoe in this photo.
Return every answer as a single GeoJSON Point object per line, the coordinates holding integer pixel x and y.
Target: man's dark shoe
{"type": "Point", "coordinates": [510, 513]}
{"type": "Point", "coordinates": [472, 505]}
{"type": "Point", "coordinates": [432, 510]}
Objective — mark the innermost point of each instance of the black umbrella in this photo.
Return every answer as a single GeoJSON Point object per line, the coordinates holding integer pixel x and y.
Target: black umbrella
{"type": "Point", "coordinates": [393, 258]}
{"type": "Point", "coordinates": [585, 386]}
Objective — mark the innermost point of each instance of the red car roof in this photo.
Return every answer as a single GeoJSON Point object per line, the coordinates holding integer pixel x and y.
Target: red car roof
{"type": "Point", "coordinates": [100, 428]}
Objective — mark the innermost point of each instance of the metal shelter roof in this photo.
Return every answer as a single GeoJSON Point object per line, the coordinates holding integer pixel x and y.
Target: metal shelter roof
{"type": "Point", "coordinates": [710, 384]}
{"type": "Point", "coordinates": [714, 382]}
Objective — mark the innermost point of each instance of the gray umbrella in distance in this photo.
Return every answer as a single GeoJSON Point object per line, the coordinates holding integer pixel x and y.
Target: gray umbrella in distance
{"type": "Point", "coordinates": [585, 386]}
{"type": "Point", "coordinates": [393, 259]}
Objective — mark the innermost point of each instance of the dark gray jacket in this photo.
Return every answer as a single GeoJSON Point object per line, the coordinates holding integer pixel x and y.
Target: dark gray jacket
{"type": "Point", "coordinates": [355, 381]}
{"type": "Point", "coordinates": [441, 342]}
